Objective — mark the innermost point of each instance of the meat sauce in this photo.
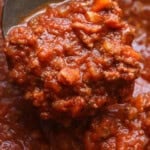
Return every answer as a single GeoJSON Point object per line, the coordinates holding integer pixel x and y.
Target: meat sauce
{"type": "Point", "coordinates": [74, 63]}
{"type": "Point", "coordinates": [65, 57]}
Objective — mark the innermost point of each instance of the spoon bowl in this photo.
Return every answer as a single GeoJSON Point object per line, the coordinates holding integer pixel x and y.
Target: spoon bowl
{"type": "Point", "coordinates": [15, 10]}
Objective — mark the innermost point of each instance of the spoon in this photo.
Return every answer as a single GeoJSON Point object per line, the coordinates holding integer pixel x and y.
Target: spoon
{"type": "Point", "coordinates": [15, 10]}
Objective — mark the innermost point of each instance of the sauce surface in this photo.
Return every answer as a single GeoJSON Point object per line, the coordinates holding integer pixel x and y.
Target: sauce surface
{"type": "Point", "coordinates": [65, 58]}
{"type": "Point", "coordinates": [120, 123]}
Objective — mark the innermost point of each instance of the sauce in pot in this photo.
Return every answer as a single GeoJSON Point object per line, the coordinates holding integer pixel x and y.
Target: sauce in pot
{"type": "Point", "coordinates": [75, 65]}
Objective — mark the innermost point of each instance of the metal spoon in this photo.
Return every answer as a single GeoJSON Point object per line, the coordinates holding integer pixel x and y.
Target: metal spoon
{"type": "Point", "coordinates": [15, 10]}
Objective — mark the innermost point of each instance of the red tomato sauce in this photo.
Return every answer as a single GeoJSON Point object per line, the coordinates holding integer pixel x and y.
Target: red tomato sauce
{"type": "Point", "coordinates": [77, 77]}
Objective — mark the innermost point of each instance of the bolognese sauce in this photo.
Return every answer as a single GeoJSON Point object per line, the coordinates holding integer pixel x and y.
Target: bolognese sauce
{"type": "Point", "coordinates": [73, 58]}
{"type": "Point", "coordinates": [85, 71]}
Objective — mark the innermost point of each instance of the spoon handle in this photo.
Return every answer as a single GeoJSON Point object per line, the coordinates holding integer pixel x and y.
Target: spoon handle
{"type": "Point", "coordinates": [15, 10]}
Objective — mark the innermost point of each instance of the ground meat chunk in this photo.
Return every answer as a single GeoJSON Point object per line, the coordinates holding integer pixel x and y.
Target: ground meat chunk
{"type": "Point", "coordinates": [71, 59]}
{"type": "Point", "coordinates": [146, 70]}
{"type": "Point", "coordinates": [69, 76]}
